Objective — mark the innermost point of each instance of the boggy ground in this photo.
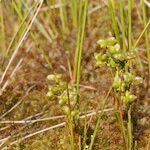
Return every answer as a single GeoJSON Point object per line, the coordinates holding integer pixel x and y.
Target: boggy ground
{"type": "Point", "coordinates": [29, 86]}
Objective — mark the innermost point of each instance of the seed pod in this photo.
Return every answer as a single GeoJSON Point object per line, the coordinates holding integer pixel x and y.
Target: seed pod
{"type": "Point", "coordinates": [119, 57]}
{"type": "Point", "coordinates": [108, 42]}
{"type": "Point", "coordinates": [128, 77]}
{"type": "Point", "coordinates": [100, 59]}
{"type": "Point", "coordinates": [117, 83]}
{"type": "Point", "coordinates": [54, 77]}
{"type": "Point", "coordinates": [74, 113]}
{"type": "Point", "coordinates": [129, 98]}
{"type": "Point", "coordinates": [66, 110]}
{"type": "Point", "coordinates": [114, 49]}
{"type": "Point", "coordinates": [112, 63]}
{"type": "Point", "coordinates": [63, 100]}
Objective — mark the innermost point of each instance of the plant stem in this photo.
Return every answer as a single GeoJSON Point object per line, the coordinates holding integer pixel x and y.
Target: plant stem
{"type": "Point", "coordinates": [70, 120]}
{"type": "Point", "coordinates": [130, 25]}
{"type": "Point", "coordinates": [63, 16]}
{"type": "Point", "coordinates": [79, 50]}
{"type": "Point", "coordinates": [120, 120]}
{"type": "Point", "coordinates": [146, 32]}
{"type": "Point", "coordinates": [99, 119]}
{"type": "Point", "coordinates": [121, 4]}
{"type": "Point", "coordinates": [142, 33]}
{"type": "Point", "coordinates": [130, 136]}
{"type": "Point", "coordinates": [113, 18]}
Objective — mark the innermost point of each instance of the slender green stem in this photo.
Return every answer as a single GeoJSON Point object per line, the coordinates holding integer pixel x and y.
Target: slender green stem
{"type": "Point", "coordinates": [85, 133]}
{"type": "Point", "coordinates": [99, 119]}
{"type": "Point", "coordinates": [70, 120]}
{"type": "Point", "coordinates": [130, 136]}
{"type": "Point", "coordinates": [142, 33]}
{"type": "Point", "coordinates": [75, 12]}
{"type": "Point", "coordinates": [80, 40]}
{"type": "Point", "coordinates": [146, 33]}
{"type": "Point", "coordinates": [113, 18]}
{"type": "Point", "coordinates": [130, 24]}
{"type": "Point", "coordinates": [2, 31]}
{"type": "Point", "coordinates": [123, 29]}
{"type": "Point", "coordinates": [121, 123]}
{"type": "Point", "coordinates": [63, 16]}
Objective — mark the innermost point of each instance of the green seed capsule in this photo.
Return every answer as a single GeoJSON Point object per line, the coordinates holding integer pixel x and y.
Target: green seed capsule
{"type": "Point", "coordinates": [74, 113]}
{"type": "Point", "coordinates": [112, 63]}
{"type": "Point", "coordinates": [117, 83]}
{"type": "Point", "coordinates": [66, 110]}
{"type": "Point", "coordinates": [128, 77]}
{"type": "Point", "coordinates": [54, 77]}
{"type": "Point", "coordinates": [100, 59]}
{"type": "Point", "coordinates": [119, 57]}
{"type": "Point", "coordinates": [123, 87]}
{"type": "Point", "coordinates": [63, 100]}
{"type": "Point", "coordinates": [114, 49]}
{"type": "Point", "coordinates": [108, 42]}
{"type": "Point", "coordinates": [129, 98]}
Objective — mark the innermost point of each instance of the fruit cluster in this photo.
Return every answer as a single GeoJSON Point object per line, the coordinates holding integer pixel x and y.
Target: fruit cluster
{"type": "Point", "coordinates": [118, 60]}
{"type": "Point", "coordinates": [66, 94]}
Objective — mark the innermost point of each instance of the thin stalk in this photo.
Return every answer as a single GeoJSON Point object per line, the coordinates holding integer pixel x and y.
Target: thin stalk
{"type": "Point", "coordinates": [80, 147]}
{"type": "Point", "coordinates": [71, 133]}
{"type": "Point", "coordinates": [130, 134]}
{"type": "Point", "coordinates": [78, 41]}
{"type": "Point", "coordinates": [123, 29]}
{"type": "Point", "coordinates": [74, 12]}
{"type": "Point", "coordinates": [63, 16]}
{"type": "Point", "coordinates": [130, 25]}
{"type": "Point", "coordinates": [2, 30]}
{"type": "Point", "coordinates": [119, 113]}
{"type": "Point", "coordinates": [142, 33]}
{"type": "Point", "coordinates": [146, 32]}
{"type": "Point", "coordinates": [99, 119]}
{"type": "Point", "coordinates": [120, 120]}
{"type": "Point", "coordinates": [85, 133]}
{"type": "Point", "coordinates": [137, 42]}
{"type": "Point", "coordinates": [113, 18]}
{"type": "Point", "coordinates": [70, 120]}
{"type": "Point", "coordinates": [78, 56]}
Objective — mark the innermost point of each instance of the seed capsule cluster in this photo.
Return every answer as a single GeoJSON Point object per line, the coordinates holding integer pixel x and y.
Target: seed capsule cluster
{"type": "Point", "coordinates": [117, 61]}
{"type": "Point", "coordinates": [64, 93]}
{"type": "Point", "coordinates": [113, 57]}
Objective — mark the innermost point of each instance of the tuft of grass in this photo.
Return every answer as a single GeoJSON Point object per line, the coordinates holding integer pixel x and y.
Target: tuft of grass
{"type": "Point", "coordinates": [25, 26]}
{"type": "Point", "coordinates": [80, 41]}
